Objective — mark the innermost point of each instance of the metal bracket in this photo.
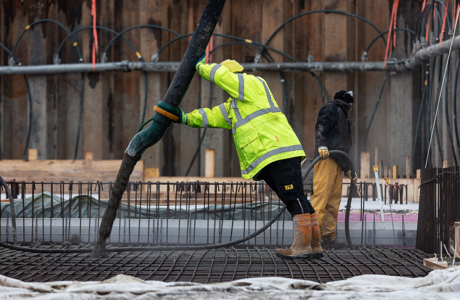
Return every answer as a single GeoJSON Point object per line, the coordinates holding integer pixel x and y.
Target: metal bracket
{"type": "Point", "coordinates": [125, 66]}
{"type": "Point", "coordinates": [56, 59]}
{"type": "Point", "coordinates": [364, 57]}
{"type": "Point", "coordinates": [104, 57]}
{"type": "Point", "coordinates": [258, 58]}
{"type": "Point", "coordinates": [310, 58]}
{"type": "Point", "coordinates": [155, 57]}
{"type": "Point", "coordinates": [11, 61]}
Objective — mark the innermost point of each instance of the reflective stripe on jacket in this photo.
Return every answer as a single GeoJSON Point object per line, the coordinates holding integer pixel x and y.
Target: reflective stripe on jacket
{"type": "Point", "coordinates": [260, 130]}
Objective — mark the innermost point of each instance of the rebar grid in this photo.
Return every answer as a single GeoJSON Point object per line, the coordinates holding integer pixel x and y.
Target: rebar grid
{"type": "Point", "coordinates": [151, 213]}
{"type": "Point", "coordinates": [439, 207]}
{"type": "Point", "coordinates": [210, 266]}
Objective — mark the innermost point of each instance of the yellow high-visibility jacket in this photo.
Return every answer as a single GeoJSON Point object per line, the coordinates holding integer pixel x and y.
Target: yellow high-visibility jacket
{"type": "Point", "coordinates": [261, 132]}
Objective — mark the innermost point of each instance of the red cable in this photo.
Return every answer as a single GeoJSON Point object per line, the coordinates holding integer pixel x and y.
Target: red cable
{"type": "Point", "coordinates": [395, 20]}
{"type": "Point", "coordinates": [95, 45]}
{"type": "Point", "coordinates": [209, 50]}
{"type": "Point", "coordinates": [428, 26]}
{"type": "Point", "coordinates": [456, 16]}
{"type": "Point", "coordinates": [389, 36]}
{"type": "Point", "coordinates": [443, 23]}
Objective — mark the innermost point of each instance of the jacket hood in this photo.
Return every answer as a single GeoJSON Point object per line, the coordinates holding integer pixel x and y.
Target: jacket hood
{"type": "Point", "coordinates": [343, 105]}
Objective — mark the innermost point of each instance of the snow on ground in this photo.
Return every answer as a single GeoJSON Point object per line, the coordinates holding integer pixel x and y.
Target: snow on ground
{"type": "Point", "coordinates": [371, 205]}
{"type": "Point", "coordinates": [439, 284]}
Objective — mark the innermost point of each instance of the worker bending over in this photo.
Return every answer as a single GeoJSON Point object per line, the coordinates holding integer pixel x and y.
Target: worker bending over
{"type": "Point", "coordinates": [268, 149]}
{"type": "Point", "coordinates": [332, 132]}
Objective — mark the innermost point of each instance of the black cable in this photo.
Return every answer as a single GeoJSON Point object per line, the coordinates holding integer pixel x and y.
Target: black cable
{"type": "Point", "coordinates": [82, 77]}
{"type": "Point", "coordinates": [331, 11]}
{"type": "Point", "coordinates": [29, 102]}
{"type": "Point", "coordinates": [90, 28]}
{"type": "Point", "coordinates": [438, 92]}
{"type": "Point", "coordinates": [80, 118]}
{"type": "Point", "coordinates": [215, 246]}
{"type": "Point", "coordinates": [428, 109]}
{"type": "Point", "coordinates": [43, 21]}
{"type": "Point", "coordinates": [386, 32]}
{"type": "Point", "coordinates": [425, 91]}
{"type": "Point", "coordinates": [121, 33]}
{"type": "Point", "coordinates": [250, 42]}
{"type": "Point", "coordinates": [70, 35]}
{"type": "Point", "coordinates": [454, 108]}
{"type": "Point", "coordinates": [368, 128]}
{"type": "Point", "coordinates": [449, 23]}
{"type": "Point", "coordinates": [425, 14]}
{"type": "Point", "coordinates": [446, 110]}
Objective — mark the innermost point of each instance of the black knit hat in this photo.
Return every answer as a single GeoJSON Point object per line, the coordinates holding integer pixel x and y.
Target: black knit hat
{"type": "Point", "coordinates": [346, 96]}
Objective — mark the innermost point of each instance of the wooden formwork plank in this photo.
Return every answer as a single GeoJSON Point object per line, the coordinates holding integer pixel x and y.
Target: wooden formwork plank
{"type": "Point", "coordinates": [434, 263]}
{"type": "Point", "coordinates": [66, 170]}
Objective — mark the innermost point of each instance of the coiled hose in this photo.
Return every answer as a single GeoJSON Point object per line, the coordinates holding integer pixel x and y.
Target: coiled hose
{"type": "Point", "coordinates": [333, 153]}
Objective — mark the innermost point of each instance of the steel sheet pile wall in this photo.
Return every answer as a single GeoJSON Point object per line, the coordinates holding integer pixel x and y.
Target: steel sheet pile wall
{"type": "Point", "coordinates": [439, 208]}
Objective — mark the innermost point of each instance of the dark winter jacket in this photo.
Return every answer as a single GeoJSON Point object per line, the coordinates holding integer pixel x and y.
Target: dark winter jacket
{"type": "Point", "coordinates": [333, 129]}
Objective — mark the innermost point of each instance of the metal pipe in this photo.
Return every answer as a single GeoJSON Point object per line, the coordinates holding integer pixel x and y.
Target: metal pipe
{"type": "Point", "coordinates": [417, 59]}
{"type": "Point", "coordinates": [127, 66]}
{"type": "Point", "coordinates": [422, 55]}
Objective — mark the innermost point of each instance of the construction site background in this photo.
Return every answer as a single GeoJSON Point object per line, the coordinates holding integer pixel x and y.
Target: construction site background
{"type": "Point", "coordinates": [113, 102]}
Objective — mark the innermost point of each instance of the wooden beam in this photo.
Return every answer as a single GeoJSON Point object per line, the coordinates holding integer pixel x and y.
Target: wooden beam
{"type": "Point", "coordinates": [89, 155]}
{"type": "Point", "coordinates": [434, 264]}
{"type": "Point", "coordinates": [151, 173]}
{"type": "Point", "coordinates": [419, 174]}
{"type": "Point", "coordinates": [376, 161]}
{"type": "Point", "coordinates": [209, 163]}
{"type": "Point", "coordinates": [33, 154]}
{"type": "Point", "coordinates": [365, 165]}
{"type": "Point", "coordinates": [66, 170]}
{"type": "Point", "coordinates": [445, 164]}
{"type": "Point", "coordinates": [407, 166]}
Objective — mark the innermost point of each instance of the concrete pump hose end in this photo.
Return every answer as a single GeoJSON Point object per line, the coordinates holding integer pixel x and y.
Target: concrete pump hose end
{"type": "Point", "coordinates": [341, 154]}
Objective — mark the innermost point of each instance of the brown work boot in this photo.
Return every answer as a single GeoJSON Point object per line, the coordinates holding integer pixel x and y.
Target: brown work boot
{"type": "Point", "coordinates": [302, 239]}
{"type": "Point", "coordinates": [315, 237]}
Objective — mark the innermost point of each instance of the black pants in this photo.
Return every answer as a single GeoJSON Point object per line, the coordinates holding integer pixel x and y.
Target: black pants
{"type": "Point", "coordinates": [285, 178]}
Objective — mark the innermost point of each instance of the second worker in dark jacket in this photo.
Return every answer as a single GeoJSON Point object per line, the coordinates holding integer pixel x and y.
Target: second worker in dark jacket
{"type": "Point", "coordinates": [332, 132]}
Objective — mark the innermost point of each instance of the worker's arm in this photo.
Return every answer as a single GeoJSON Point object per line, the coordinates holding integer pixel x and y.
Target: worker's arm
{"type": "Point", "coordinates": [327, 118]}
{"type": "Point", "coordinates": [221, 76]}
{"type": "Point", "coordinates": [217, 117]}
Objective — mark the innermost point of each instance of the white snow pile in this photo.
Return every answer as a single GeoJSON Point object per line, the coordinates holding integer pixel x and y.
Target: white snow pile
{"type": "Point", "coordinates": [439, 284]}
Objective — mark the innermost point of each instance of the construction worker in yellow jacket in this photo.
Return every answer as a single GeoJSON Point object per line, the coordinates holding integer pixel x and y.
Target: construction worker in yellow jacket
{"type": "Point", "coordinates": [267, 147]}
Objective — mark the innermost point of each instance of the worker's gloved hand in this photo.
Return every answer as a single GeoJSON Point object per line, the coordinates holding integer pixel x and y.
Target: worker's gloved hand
{"type": "Point", "coordinates": [200, 61]}
{"type": "Point", "coordinates": [182, 117]}
{"type": "Point", "coordinates": [323, 152]}
{"type": "Point", "coordinates": [354, 180]}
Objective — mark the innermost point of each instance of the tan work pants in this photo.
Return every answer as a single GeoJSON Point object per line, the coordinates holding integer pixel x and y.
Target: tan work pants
{"type": "Point", "coordinates": [327, 193]}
